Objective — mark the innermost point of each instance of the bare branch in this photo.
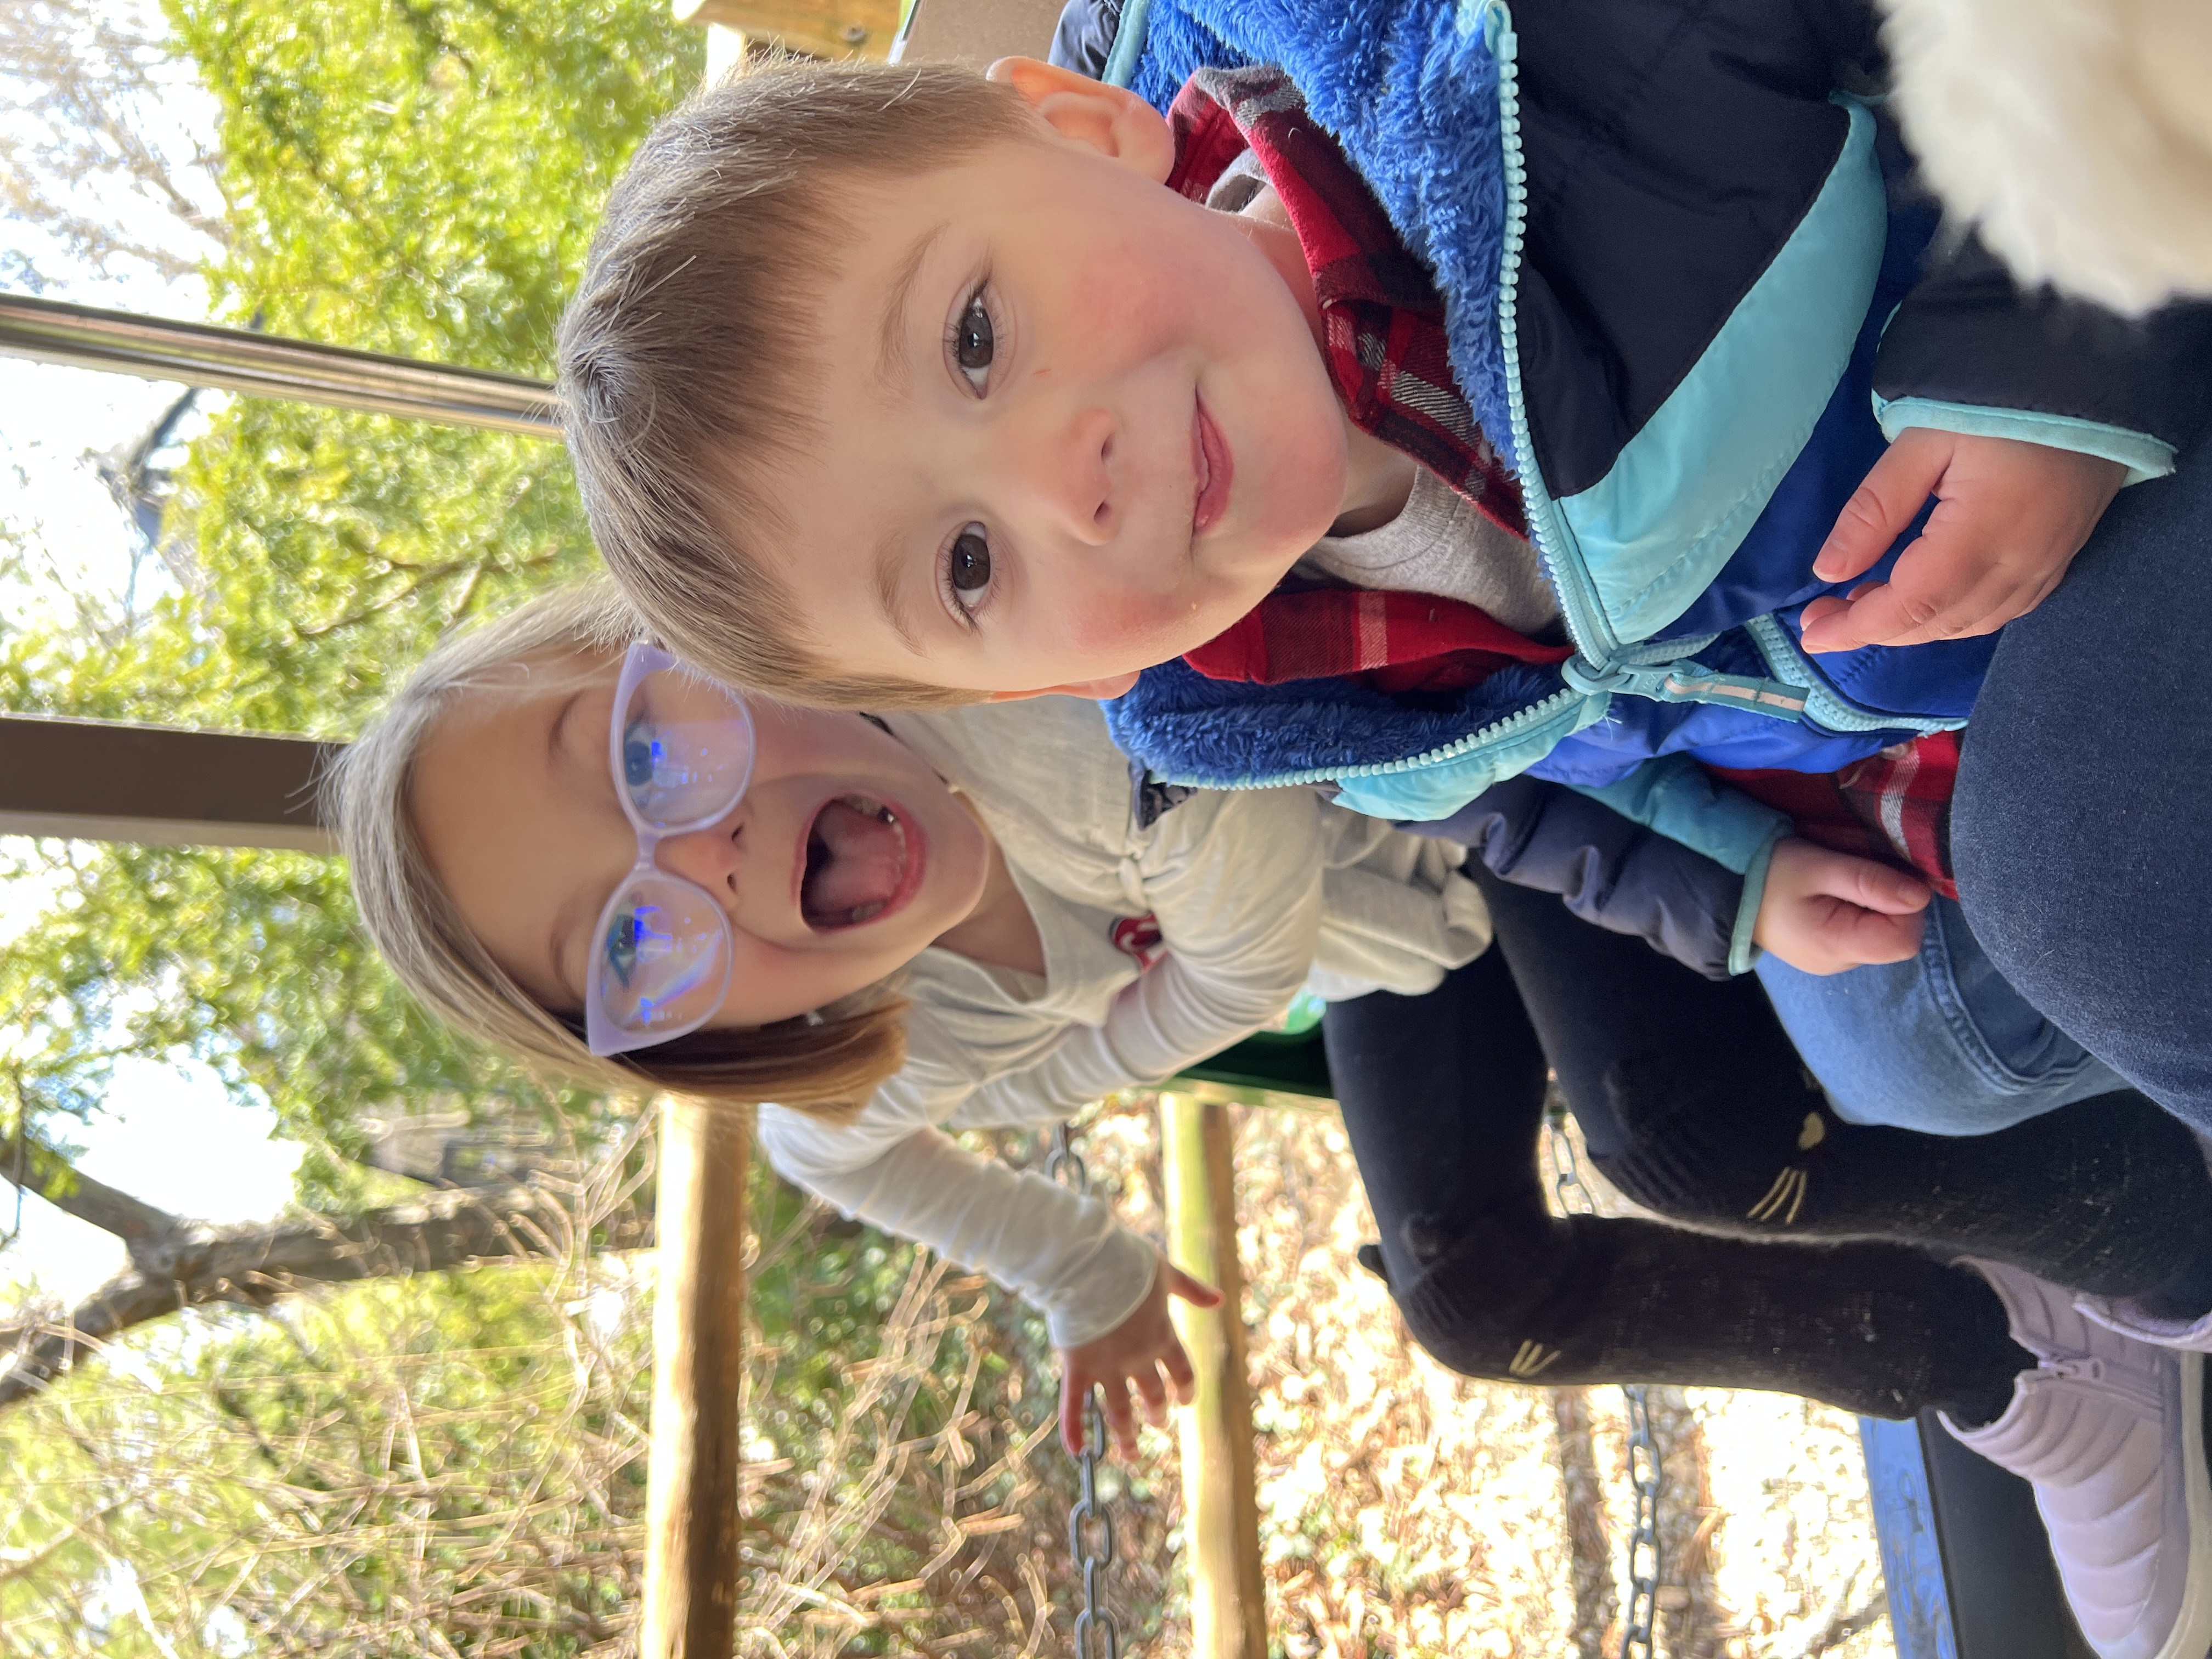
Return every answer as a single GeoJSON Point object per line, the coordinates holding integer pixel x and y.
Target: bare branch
{"type": "Point", "coordinates": [83, 79]}
{"type": "Point", "coordinates": [40, 1170]}
{"type": "Point", "coordinates": [191, 1265]}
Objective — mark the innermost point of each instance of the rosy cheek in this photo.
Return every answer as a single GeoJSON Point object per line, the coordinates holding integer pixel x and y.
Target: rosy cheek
{"type": "Point", "coordinates": [1128, 305]}
{"type": "Point", "coordinates": [1122, 624]}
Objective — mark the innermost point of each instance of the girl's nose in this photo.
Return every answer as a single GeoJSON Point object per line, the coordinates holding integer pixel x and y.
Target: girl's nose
{"type": "Point", "coordinates": [707, 857]}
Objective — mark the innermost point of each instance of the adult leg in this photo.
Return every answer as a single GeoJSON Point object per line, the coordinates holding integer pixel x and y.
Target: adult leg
{"type": "Point", "coordinates": [1442, 1095]}
{"type": "Point", "coordinates": [2082, 827]}
{"type": "Point", "coordinates": [1693, 1101]}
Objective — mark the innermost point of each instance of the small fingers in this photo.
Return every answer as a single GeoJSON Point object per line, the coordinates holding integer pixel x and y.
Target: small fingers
{"type": "Point", "coordinates": [1877, 888]}
{"type": "Point", "coordinates": [1876, 938]}
{"type": "Point", "coordinates": [1184, 1380]}
{"type": "Point", "coordinates": [1120, 1419]}
{"type": "Point", "coordinates": [1195, 1292]}
{"type": "Point", "coordinates": [1952, 583]}
{"type": "Point", "coordinates": [1887, 613]}
{"type": "Point", "coordinates": [1891, 495]}
{"type": "Point", "coordinates": [1154, 1394]}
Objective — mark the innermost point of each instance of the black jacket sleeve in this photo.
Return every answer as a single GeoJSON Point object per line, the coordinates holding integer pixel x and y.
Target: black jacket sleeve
{"type": "Point", "coordinates": [1969, 334]}
{"type": "Point", "coordinates": [1084, 39]}
{"type": "Point", "coordinates": [1607, 869]}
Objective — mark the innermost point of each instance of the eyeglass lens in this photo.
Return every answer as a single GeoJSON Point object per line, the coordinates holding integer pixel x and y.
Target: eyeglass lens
{"type": "Point", "coordinates": [664, 960]}
{"type": "Point", "coordinates": [686, 754]}
{"type": "Point", "coordinates": [687, 749]}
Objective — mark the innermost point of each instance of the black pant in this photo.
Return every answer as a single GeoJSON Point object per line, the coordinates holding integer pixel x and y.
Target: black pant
{"type": "Point", "coordinates": [1833, 1284]}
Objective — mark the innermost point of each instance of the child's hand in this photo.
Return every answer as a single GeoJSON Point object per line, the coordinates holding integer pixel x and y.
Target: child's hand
{"type": "Point", "coordinates": [2009, 518]}
{"type": "Point", "coordinates": [1823, 912]}
{"type": "Point", "coordinates": [1135, 1350]}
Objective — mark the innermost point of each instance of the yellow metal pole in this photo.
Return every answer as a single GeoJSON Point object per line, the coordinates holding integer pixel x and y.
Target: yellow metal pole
{"type": "Point", "coordinates": [698, 1323]}
{"type": "Point", "coordinates": [1228, 1600]}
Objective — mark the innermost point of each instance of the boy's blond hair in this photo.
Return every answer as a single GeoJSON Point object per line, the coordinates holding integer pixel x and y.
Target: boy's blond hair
{"type": "Point", "coordinates": [685, 355]}
{"type": "Point", "coordinates": [827, 1063]}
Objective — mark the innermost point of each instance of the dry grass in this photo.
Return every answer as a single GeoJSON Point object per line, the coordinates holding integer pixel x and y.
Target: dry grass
{"type": "Point", "coordinates": [374, 1472]}
{"type": "Point", "coordinates": [1408, 1512]}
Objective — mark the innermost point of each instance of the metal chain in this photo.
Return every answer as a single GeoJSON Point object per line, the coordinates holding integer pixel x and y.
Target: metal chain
{"type": "Point", "coordinates": [1064, 1163]}
{"type": "Point", "coordinates": [1643, 1467]}
{"type": "Point", "coordinates": [1643, 1541]}
{"type": "Point", "coordinates": [1090, 1519]}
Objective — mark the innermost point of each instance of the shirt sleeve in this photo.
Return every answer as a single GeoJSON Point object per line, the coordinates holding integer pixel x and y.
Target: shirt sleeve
{"type": "Point", "coordinates": [1066, 1252]}
{"type": "Point", "coordinates": [1620, 869]}
{"type": "Point", "coordinates": [1236, 890]}
{"type": "Point", "coordinates": [1235, 882]}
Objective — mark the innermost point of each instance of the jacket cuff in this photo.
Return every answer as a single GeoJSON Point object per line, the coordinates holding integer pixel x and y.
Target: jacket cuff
{"type": "Point", "coordinates": [1742, 953]}
{"type": "Point", "coordinates": [2144, 456]}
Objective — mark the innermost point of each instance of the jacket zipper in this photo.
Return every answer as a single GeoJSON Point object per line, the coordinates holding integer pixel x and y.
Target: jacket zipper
{"type": "Point", "coordinates": [1578, 606]}
{"type": "Point", "coordinates": [1512, 725]}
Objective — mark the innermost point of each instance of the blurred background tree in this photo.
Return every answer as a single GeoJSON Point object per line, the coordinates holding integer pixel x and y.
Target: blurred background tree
{"type": "Point", "coordinates": [418, 177]}
{"type": "Point", "coordinates": [451, 1462]}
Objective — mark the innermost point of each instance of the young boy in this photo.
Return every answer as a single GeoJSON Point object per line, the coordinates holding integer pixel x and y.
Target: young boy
{"type": "Point", "coordinates": [892, 387]}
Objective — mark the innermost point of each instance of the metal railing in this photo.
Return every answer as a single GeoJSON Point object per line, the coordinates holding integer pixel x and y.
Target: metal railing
{"type": "Point", "coordinates": [267, 366]}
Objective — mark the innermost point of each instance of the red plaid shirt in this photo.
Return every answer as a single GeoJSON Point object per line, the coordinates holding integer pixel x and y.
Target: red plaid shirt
{"type": "Point", "coordinates": [1382, 338]}
{"type": "Point", "coordinates": [1383, 322]}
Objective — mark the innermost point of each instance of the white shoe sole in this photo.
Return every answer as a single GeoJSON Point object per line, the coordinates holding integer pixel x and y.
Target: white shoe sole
{"type": "Point", "coordinates": [2192, 1636]}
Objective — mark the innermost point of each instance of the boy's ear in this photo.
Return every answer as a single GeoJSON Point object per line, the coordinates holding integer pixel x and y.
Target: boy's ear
{"type": "Point", "coordinates": [1103, 690]}
{"type": "Point", "coordinates": [1112, 120]}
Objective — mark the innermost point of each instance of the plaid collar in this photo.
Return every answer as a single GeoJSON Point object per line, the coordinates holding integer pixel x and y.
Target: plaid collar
{"type": "Point", "coordinates": [1383, 328]}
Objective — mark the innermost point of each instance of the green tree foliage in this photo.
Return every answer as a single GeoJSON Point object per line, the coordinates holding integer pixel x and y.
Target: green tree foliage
{"type": "Point", "coordinates": [449, 1464]}
{"type": "Point", "coordinates": [412, 176]}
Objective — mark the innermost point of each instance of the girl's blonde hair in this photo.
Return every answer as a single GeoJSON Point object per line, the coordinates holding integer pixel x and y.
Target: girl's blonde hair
{"type": "Point", "coordinates": [826, 1063]}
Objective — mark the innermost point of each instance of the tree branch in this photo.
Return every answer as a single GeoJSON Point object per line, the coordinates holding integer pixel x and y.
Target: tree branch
{"type": "Point", "coordinates": [189, 1265]}
{"type": "Point", "coordinates": [69, 1189]}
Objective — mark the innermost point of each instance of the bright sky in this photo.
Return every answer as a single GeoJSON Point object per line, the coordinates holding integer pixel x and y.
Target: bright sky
{"type": "Point", "coordinates": [169, 1135]}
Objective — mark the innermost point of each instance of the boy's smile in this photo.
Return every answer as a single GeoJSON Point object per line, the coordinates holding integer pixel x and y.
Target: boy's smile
{"type": "Point", "coordinates": [1074, 423]}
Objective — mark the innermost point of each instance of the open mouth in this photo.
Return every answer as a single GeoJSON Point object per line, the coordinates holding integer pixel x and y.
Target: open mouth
{"type": "Point", "coordinates": [857, 863]}
{"type": "Point", "coordinates": [1211, 469]}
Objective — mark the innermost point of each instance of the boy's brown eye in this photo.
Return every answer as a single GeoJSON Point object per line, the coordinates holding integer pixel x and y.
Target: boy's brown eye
{"type": "Point", "coordinates": [970, 564]}
{"type": "Point", "coordinates": [972, 343]}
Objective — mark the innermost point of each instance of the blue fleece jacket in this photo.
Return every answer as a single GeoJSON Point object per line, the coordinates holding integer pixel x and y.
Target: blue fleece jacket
{"type": "Point", "coordinates": [1689, 294]}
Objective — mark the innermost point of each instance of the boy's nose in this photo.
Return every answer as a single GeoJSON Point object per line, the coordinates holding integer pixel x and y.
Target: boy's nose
{"type": "Point", "coordinates": [1078, 479]}
{"type": "Point", "coordinates": [707, 857]}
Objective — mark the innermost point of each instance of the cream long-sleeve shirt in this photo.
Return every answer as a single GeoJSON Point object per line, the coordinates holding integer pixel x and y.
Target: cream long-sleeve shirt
{"type": "Point", "coordinates": [1162, 945]}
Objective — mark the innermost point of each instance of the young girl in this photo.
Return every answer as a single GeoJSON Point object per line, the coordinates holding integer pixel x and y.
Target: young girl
{"type": "Point", "coordinates": [570, 847]}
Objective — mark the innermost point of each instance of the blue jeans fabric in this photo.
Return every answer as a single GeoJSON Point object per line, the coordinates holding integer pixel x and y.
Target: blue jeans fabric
{"type": "Point", "coordinates": [2082, 827]}
{"type": "Point", "coordinates": [1940, 1043]}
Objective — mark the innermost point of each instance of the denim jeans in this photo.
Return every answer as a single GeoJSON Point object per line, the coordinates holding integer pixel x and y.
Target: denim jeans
{"type": "Point", "coordinates": [2083, 828]}
{"type": "Point", "coordinates": [1940, 1043]}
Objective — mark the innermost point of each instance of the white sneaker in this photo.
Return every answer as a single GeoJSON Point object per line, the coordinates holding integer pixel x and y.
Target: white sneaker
{"type": "Point", "coordinates": [2111, 1432]}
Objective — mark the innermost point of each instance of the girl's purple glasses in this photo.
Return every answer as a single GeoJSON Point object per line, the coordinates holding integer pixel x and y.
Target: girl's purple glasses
{"type": "Point", "coordinates": [682, 750]}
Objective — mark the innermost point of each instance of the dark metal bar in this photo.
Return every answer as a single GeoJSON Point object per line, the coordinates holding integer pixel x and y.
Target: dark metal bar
{"type": "Point", "coordinates": [2005, 1599]}
{"type": "Point", "coordinates": [107, 781]}
{"type": "Point", "coordinates": [261, 365]}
